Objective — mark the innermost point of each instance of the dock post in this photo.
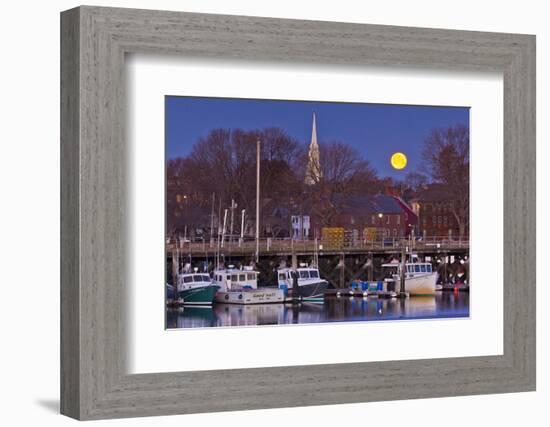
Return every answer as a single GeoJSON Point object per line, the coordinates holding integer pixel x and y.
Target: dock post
{"type": "Point", "coordinates": [446, 279]}
{"type": "Point", "coordinates": [342, 270]}
{"type": "Point", "coordinates": [371, 268]}
{"type": "Point", "coordinates": [175, 271]}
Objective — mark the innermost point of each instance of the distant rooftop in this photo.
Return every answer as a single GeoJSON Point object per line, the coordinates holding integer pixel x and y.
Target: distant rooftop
{"type": "Point", "coordinates": [379, 203]}
{"type": "Point", "coordinates": [432, 193]}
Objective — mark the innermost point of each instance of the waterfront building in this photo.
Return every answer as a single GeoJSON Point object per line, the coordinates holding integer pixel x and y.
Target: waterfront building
{"type": "Point", "coordinates": [376, 217]}
{"type": "Point", "coordinates": [433, 204]}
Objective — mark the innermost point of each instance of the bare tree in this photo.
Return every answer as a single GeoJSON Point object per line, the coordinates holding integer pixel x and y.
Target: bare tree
{"type": "Point", "coordinates": [344, 174]}
{"type": "Point", "coordinates": [185, 206]}
{"type": "Point", "coordinates": [224, 163]}
{"type": "Point", "coordinates": [415, 180]}
{"type": "Point", "coordinates": [446, 155]}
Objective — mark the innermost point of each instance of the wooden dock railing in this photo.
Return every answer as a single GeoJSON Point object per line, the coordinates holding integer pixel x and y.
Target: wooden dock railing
{"type": "Point", "coordinates": [273, 246]}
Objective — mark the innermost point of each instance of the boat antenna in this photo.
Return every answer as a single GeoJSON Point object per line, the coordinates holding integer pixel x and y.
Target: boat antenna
{"type": "Point", "coordinates": [224, 225]}
{"type": "Point", "coordinates": [258, 200]}
{"type": "Point", "coordinates": [315, 250]}
{"type": "Point", "coordinates": [219, 233]}
{"type": "Point", "coordinates": [212, 220]}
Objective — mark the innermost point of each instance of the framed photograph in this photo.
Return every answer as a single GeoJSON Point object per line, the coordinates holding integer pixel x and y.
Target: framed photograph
{"type": "Point", "coordinates": [279, 213]}
{"type": "Point", "coordinates": [264, 229]}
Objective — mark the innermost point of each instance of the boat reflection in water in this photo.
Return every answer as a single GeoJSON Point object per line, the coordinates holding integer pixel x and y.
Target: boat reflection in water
{"type": "Point", "coordinates": [443, 305]}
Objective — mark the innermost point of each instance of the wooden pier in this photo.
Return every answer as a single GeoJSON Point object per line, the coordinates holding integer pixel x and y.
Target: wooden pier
{"type": "Point", "coordinates": [339, 264]}
{"type": "Point", "coordinates": [289, 247]}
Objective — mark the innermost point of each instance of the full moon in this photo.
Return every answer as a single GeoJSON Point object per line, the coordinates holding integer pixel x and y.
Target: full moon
{"type": "Point", "coordinates": [398, 160]}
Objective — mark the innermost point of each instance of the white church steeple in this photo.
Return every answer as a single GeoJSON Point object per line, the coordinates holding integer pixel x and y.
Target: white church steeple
{"type": "Point", "coordinates": [313, 171]}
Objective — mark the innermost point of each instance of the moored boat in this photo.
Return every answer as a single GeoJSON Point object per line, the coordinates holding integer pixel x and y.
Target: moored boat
{"type": "Point", "coordinates": [196, 288]}
{"type": "Point", "coordinates": [238, 286]}
{"type": "Point", "coordinates": [303, 282]}
{"type": "Point", "coordinates": [419, 277]}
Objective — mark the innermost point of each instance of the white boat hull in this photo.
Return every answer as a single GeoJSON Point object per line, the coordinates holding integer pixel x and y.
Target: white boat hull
{"type": "Point", "coordinates": [419, 284]}
{"type": "Point", "coordinates": [251, 296]}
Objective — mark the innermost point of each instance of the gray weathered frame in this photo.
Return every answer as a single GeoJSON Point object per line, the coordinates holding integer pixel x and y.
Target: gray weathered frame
{"type": "Point", "coordinates": [94, 42]}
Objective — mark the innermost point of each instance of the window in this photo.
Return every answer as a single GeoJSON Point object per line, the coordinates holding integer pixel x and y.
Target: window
{"type": "Point", "coordinates": [205, 278]}
{"type": "Point", "coordinates": [394, 232]}
{"type": "Point", "coordinates": [281, 276]}
{"type": "Point", "coordinates": [304, 274]}
{"type": "Point", "coordinates": [197, 278]}
{"type": "Point", "coordinates": [387, 219]}
{"type": "Point", "coordinates": [445, 220]}
{"type": "Point", "coordinates": [434, 219]}
{"type": "Point", "coordinates": [234, 277]}
{"type": "Point", "coordinates": [251, 276]}
{"type": "Point", "coordinates": [398, 220]}
{"type": "Point", "coordinates": [313, 274]}
{"type": "Point", "coordinates": [242, 277]}
{"type": "Point", "coordinates": [423, 268]}
{"type": "Point", "coordinates": [417, 269]}
{"type": "Point", "coordinates": [429, 268]}
{"type": "Point", "coordinates": [187, 279]}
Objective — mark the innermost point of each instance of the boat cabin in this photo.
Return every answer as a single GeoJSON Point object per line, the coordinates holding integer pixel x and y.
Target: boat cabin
{"type": "Point", "coordinates": [303, 273]}
{"type": "Point", "coordinates": [419, 267]}
{"type": "Point", "coordinates": [412, 268]}
{"type": "Point", "coordinates": [193, 280]}
{"type": "Point", "coordinates": [234, 279]}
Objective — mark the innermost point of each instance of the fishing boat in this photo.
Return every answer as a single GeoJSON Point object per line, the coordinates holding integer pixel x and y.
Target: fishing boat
{"type": "Point", "coordinates": [420, 279]}
{"type": "Point", "coordinates": [240, 286]}
{"type": "Point", "coordinates": [196, 288]}
{"type": "Point", "coordinates": [303, 282]}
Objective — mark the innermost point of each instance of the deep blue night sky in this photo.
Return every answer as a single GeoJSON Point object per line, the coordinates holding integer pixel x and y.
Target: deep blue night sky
{"type": "Point", "coordinates": [376, 130]}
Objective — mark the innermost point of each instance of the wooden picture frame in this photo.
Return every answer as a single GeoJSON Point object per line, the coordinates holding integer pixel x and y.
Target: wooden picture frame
{"type": "Point", "coordinates": [94, 382]}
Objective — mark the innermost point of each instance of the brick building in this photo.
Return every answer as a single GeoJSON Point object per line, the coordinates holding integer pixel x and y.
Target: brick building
{"type": "Point", "coordinates": [433, 206]}
{"type": "Point", "coordinates": [376, 217]}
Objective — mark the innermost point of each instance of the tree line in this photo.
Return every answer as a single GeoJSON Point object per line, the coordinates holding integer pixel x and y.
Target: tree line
{"type": "Point", "coordinates": [223, 164]}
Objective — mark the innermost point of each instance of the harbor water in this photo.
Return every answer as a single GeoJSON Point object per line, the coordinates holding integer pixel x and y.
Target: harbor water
{"type": "Point", "coordinates": [342, 309]}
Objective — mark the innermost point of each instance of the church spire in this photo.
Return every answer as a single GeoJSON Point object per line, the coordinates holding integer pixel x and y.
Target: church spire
{"type": "Point", "coordinates": [314, 133]}
{"type": "Point", "coordinates": [313, 171]}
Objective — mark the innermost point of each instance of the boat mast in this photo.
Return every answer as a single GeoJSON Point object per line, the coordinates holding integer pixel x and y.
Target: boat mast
{"type": "Point", "coordinates": [219, 233]}
{"type": "Point", "coordinates": [403, 268]}
{"type": "Point", "coordinates": [258, 200]}
{"type": "Point", "coordinates": [233, 206]}
{"type": "Point", "coordinates": [242, 227]}
{"type": "Point", "coordinates": [212, 220]}
{"type": "Point", "coordinates": [224, 224]}
{"type": "Point", "coordinates": [315, 250]}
